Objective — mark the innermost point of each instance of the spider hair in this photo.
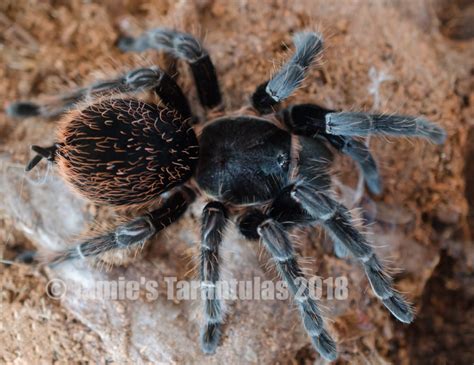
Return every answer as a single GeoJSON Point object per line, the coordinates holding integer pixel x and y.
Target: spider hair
{"type": "Point", "coordinates": [179, 44]}
{"type": "Point", "coordinates": [363, 124]}
{"type": "Point", "coordinates": [308, 46]}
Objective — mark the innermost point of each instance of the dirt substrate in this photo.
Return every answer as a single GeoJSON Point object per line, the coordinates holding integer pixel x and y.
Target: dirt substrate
{"type": "Point", "coordinates": [403, 56]}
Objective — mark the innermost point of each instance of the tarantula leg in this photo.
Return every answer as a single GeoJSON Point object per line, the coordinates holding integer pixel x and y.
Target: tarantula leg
{"type": "Point", "coordinates": [337, 220]}
{"type": "Point", "coordinates": [141, 79]}
{"type": "Point", "coordinates": [278, 244]}
{"type": "Point", "coordinates": [309, 120]}
{"type": "Point", "coordinates": [182, 46]}
{"type": "Point", "coordinates": [340, 250]}
{"type": "Point", "coordinates": [253, 225]}
{"type": "Point", "coordinates": [48, 153]}
{"type": "Point", "coordinates": [359, 152]}
{"type": "Point", "coordinates": [308, 46]}
{"type": "Point", "coordinates": [289, 213]}
{"type": "Point", "coordinates": [133, 233]}
{"type": "Point", "coordinates": [362, 124]}
{"type": "Point", "coordinates": [214, 221]}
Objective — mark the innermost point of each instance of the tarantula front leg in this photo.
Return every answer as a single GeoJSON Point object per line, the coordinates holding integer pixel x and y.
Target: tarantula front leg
{"type": "Point", "coordinates": [134, 233]}
{"type": "Point", "coordinates": [308, 46]}
{"type": "Point", "coordinates": [141, 79]}
{"type": "Point", "coordinates": [311, 119]}
{"type": "Point", "coordinates": [277, 242]}
{"type": "Point", "coordinates": [337, 220]}
{"type": "Point", "coordinates": [182, 46]}
{"type": "Point", "coordinates": [214, 221]}
{"type": "Point", "coordinates": [363, 124]}
{"type": "Point", "coordinates": [339, 127]}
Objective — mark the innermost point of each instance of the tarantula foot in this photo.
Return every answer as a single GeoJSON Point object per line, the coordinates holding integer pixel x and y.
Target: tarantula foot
{"type": "Point", "coordinates": [210, 337]}
{"type": "Point", "coordinates": [325, 345]}
{"type": "Point", "coordinates": [27, 257]}
{"type": "Point", "coordinates": [397, 305]}
{"type": "Point", "coordinates": [23, 109]}
{"type": "Point", "coordinates": [125, 43]}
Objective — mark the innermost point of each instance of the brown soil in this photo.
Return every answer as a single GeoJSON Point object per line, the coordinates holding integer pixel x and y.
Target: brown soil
{"type": "Point", "coordinates": [425, 46]}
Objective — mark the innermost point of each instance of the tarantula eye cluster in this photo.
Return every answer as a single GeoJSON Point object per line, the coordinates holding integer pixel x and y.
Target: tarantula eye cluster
{"type": "Point", "coordinates": [124, 152]}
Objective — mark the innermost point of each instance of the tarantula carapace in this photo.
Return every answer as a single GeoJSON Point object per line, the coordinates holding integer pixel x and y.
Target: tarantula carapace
{"type": "Point", "coordinates": [121, 151]}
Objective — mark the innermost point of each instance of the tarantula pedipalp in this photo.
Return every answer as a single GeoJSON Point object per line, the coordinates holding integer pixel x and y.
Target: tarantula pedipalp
{"type": "Point", "coordinates": [121, 151]}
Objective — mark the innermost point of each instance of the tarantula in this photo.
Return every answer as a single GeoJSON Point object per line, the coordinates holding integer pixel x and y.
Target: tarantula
{"type": "Point", "coordinates": [269, 167]}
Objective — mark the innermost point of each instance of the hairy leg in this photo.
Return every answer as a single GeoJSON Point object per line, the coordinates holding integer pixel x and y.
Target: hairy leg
{"type": "Point", "coordinates": [134, 233]}
{"type": "Point", "coordinates": [308, 46]}
{"type": "Point", "coordinates": [360, 153]}
{"type": "Point", "coordinates": [214, 221]}
{"type": "Point", "coordinates": [337, 221]}
{"type": "Point", "coordinates": [182, 46]}
{"type": "Point", "coordinates": [141, 79]}
{"type": "Point", "coordinates": [285, 210]}
{"type": "Point", "coordinates": [311, 119]}
{"type": "Point", "coordinates": [278, 244]}
{"type": "Point", "coordinates": [363, 124]}
{"type": "Point", "coordinates": [339, 129]}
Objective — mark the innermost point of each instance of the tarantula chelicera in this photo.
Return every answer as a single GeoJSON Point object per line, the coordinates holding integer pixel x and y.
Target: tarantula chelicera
{"type": "Point", "coordinates": [271, 170]}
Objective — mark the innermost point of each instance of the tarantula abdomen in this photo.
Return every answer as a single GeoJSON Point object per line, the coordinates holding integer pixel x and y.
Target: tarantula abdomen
{"type": "Point", "coordinates": [124, 151]}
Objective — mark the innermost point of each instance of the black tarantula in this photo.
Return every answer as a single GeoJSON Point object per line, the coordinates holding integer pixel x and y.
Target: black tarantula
{"type": "Point", "coordinates": [270, 169]}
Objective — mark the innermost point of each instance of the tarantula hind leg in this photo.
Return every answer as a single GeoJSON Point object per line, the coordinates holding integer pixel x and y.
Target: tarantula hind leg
{"type": "Point", "coordinates": [336, 220]}
{"type": "Point", "coordinates": [133, 233]}
{"type": "Point", "coordinates": [214, 221]}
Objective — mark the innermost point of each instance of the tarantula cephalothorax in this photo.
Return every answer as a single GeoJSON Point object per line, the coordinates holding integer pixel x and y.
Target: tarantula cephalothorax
{"type": "Point", "coordinates": [121, 151]}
